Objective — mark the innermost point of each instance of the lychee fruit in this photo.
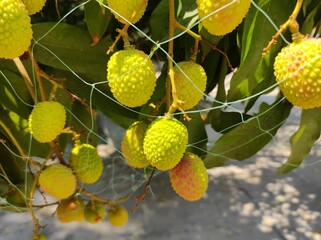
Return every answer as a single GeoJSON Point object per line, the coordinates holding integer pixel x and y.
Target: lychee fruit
{"type": "Point", "coordinates": [15, 29]}
{"type": "Point", "coordinates": [70, 210]}
{"type": "Point", "coordinates": [165, 142]}
{"type": "Point", "coordinates": [58, 181]}
{"type": "Point", "coordinates": [86, 163]}
{"type": "Point", "coordinates": [94, 212]}
{"type": "Point", "coordinates": [190, 81]}
{"type": "Point", "coordinates": [132, 145]}
{"type": "Point", "coordinates": [117, 216]}
{"type": "Point", "coordinates": [222, 16]}
{"type": "Point", "coordinates": [189, 177]}
{"type": "Point", "coordinates": [47, 121]}
{"type": "Point", "coordinates": [34, 6]}
{"type": "Point", "coordinates": [297, 69]}
{"type": "Point", "coordinates": [127, 8]}
{"type": "Point", "coordinates": [131, 77]}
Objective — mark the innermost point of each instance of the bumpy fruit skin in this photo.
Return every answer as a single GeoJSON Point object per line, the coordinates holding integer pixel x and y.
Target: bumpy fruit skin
{"type": "Point", "coordinates": [189, 178]}
{"type": "Point", "coordinates": [94, 212]}
{"type": "Point", "coordinates": [126, 9]}
{"type": "Point", "coordinates": [131, 77]}
{"type": "Point", "coordinates": [132, 145]}
{"type": "Point", "coordinates": [86, 163]}
{"type": "Point", "coordinates": [165, 143]}
{"type": "Point", "coordinates": [15, 29]}
{"type": "Point", "coordinates": [185, 90]}
{"type": "Point", "coordinates": [225, 20]}
{"type": "Point", "coordinates": [58, 181]}
{"type": "Point", "coordinates": [118, 216]}
{"type": "Point", "coordinates": [71, 210]}
{"type": "Point", "coordinates": [47, 120]}
{"type": "Point", "coordinates": [297, 69]}
{"type": "Point", "coordinates": [34, 6]}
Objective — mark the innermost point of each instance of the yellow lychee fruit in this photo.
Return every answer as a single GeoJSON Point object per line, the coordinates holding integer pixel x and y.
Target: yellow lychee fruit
{"type": "Point", "coordinates": [297, 69]}
{"type": "Point", "coordinates": [94, 212]}
{"type": "Point", "coordinates": [131, 77]}
{"type": "Point", "coordinates": [165, 143]}
{"type": "Point", "coordinates": [70, 210]}
{"type": "Point", "coordinates": [189, 178]}
{"type": "Point", "coordinates": [15, 29]}
{"type": "Point", "coordinates": [190, 80]}
{"type": "Point", "coordinates": [132, 145]}
{"type": "Point", "coordinates": [34, 6]}
{"type": "Point", "coordinates": [223, 15]}
{"type": "Point", "coordinates": [86, 163]}
{"type": "Point", "coordinates": [131, 10]}
{"type": "Point", "coordinates": [58, 181]}
{"type": "Point", "coordinates": [117, 216]}
{"type": "Point", "coordinates": [47, 120]}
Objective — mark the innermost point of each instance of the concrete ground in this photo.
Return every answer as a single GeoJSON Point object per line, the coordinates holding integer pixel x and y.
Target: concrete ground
{"type": "Point", "coordinates": [245, 201]}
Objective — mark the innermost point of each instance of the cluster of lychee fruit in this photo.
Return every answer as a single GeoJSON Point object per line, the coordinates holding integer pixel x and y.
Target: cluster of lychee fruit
{"type": "Point", "coordinates": [15, 26]}
{"type": "Point", "coordinates": [160, 143]}
{"type": "Point", "coordinates": [59, 180]}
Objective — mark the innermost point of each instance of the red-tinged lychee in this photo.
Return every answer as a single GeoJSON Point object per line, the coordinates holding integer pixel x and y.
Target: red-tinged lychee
{"type": "Point", "coordinates": [189, 178]}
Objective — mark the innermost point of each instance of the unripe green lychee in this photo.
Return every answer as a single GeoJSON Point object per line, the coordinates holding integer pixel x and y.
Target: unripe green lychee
{"type": "Point", "coordinates": [15, 29]}
{"type": "Point", "coordinates": [227, 15]}
{"type": "Point", "coordinates": [58, 181]}
{"type": "Point", "coordinates": [165, 142]}
{"type": "Point", "coordinates": [86, 163]}
{"type": "Point", "coordinates": [71, 210]}
{"type": "Point", "coordinates": [94, 212]}
{"type": "Point", "coordinates": [127, 8]}
{"type": "Point", "coordinates": [34, 6]}
{"type": "Point", "coordinates": [47, 120]}
{"type": "Point", "coordinates": [118, 216]}
{"type": "Point", "coordinates": [189, 178]}
{"type": "Point", "coordinates": [132, 145]}
{"type": "Point", "coordinates": [131, 77]}
{"type": "Point", "coordinates": [186, 91]}
{"type": "Point", "coordinates": [297, 69]}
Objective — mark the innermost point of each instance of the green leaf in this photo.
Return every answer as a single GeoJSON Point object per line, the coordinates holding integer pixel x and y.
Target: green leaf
{"type": "Point", "coordinates": [97, 19]}
{"type": "Point", "coordinates": [309, 22]}
{"type": "Point", "coordinates": [186, 15]}
{"type": "Point", "coordinates": [83, 122]}
{"type": "Point", "coordinates": [68, 47]}
{"type": "Point", "coordinates": [303, 139]}
{"type": "Point", "coordinates": [197, 136]}
{"type": "Point", "coordinates": [249, 137]}
{"type": "Point", "coordinates": [255, 73]}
